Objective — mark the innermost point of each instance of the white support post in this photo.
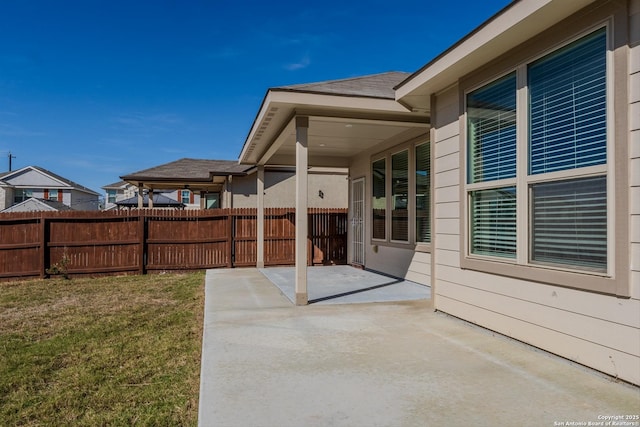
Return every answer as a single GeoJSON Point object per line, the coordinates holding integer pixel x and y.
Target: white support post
{"type": "Point", "coordinates": [260, 219]}
{"type": "Point", "coordinates": [140, 196]}
{"type": "Point", "coordinates": [150, 198]}
{"type": "Point", "coordinates": [302, 163]}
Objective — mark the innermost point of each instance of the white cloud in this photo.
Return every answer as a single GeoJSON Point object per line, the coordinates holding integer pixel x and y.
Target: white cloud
{"type": "Point", "coordinates": [303, 63]}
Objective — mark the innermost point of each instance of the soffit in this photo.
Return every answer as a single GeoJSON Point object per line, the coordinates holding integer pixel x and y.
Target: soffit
{"type": "Point", "coordinates": [213, 185]}
{"type": "Point", "coordinates": [339, 127]}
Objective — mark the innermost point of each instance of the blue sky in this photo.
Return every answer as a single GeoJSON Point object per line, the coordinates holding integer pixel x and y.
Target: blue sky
{"type": "Point", "coordinates": [94, 89]}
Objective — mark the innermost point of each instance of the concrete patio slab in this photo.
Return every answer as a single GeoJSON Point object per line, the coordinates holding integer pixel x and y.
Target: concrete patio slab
{"type": "Point", "coordinates": [343, 284]}
{"type": "Point", "coordinates": [266, 362]}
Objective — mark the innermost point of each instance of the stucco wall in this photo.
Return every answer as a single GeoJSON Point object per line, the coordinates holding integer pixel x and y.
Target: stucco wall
{"type": "Point", "coordinates": [596, 330]}
{"type": "Point", "coordinates": [280, 190]}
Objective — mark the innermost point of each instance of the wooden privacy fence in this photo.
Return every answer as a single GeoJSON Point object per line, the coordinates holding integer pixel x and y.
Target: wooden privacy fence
{"type": "Point", "coordinates": [136, 242]}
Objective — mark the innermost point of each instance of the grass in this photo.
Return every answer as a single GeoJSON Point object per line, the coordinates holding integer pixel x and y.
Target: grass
{"type": "Point", "coordinates": [107, 351]}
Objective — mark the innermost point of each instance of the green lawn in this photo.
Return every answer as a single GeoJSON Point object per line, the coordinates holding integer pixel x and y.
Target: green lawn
{"type": "Point", "coordinates": [108, 351]}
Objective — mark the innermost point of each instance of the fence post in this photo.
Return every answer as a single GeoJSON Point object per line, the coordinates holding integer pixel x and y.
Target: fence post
{"type": "Point", "coordinates": [43, 246]}
{"type": "Point", "coordinates": [230, 221]}
{"type": "Point", "coordinates": [143, 240]}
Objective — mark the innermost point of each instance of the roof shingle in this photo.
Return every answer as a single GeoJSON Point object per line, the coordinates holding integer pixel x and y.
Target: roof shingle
{"type": "Point", "coordinates": [374, 86]}
{"type": "Point", "coordinates": [189, 169]}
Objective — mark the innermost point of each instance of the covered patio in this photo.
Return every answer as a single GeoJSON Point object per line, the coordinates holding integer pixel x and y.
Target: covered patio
{"type": "Point", "coordinates": [326, 124]}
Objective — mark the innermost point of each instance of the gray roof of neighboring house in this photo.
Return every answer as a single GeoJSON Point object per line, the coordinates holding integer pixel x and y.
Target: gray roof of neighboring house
{"type": "Point", "coordinates": [30, 205]}
{"type": "Point", "coordinates": [373, 86]}
{"type": "Point", "coordinates": [116, 185]}
{"type": "Point", "coordinates": [189, 170]}
{"type": "Point", "coordinates": [53, 175]}
{"type": "Point", "coordinates": [159, 201]}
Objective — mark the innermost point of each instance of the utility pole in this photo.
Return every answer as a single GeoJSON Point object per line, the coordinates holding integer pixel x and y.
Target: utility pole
{"type": "Point", "coordinates": [10, 157]}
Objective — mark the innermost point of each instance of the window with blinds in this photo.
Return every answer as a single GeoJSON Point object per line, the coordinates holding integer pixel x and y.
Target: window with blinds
{"type": "Point", "coordinates": [491, 126]}
{"type": "Point", "coordinates": [570, 223]}
{"type": "Point", "coordinates": [563, 205]}
{"type": "Point", "coordinates": [568, 107]}
{"type": "Point", "coordinates": [493, 226]}
{"type": "Point", "coordinates": [379, 200]}
{"type": "Point", "coordinates": [491, 131]}
{"type": "Point", "coordinates": [400, 196]}
{"type": "Point", "coordinates": [423, 199]}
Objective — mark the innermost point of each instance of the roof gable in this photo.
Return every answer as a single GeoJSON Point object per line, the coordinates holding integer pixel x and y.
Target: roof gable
{"type": "Point", "coordinates": [37, 177]}
{"type": "Point", "coordinates": [33, 204]}
{"type": "Point", "coordinates": [33, 177]}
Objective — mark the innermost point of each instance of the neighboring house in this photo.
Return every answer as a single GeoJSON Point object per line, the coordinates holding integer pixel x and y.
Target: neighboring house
{"type": "Point", "coordinates": [197, 183]}
{"type": "Point", "coordinates": [505, 174]}
{"type": "Point", "coordinates": [210, 184]}
{"type": "Point", "coordinates": [117, 192]}
{"type": "Point", "coordinates": [33, 181]}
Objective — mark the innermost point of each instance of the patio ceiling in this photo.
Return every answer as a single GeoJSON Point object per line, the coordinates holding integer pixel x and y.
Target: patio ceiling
{"type": "Point", "coordinates": [340, 127]}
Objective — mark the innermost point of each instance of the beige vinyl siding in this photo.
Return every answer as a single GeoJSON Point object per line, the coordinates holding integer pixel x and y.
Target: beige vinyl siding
{"type": "Point", "coordinates": [634, 144]}
{"type": "Point", "coordinates": [596, 330]}
{"type": "Point", "coordinates": [420, 268]}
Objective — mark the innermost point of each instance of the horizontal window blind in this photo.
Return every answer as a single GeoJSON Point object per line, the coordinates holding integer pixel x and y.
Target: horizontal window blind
{"type": "Point", "coordinates": [423, 199]}
{"type": "Point", "coordinates": [493, 226]}
{"type": "Point", "coordinates": [491, 129]}
{"type": "Point", "coordinates": [567, 91]}
{"type": "Point", "coordinates": [400, 196]}
{"type": "Point", "coordinates": [379, 201]}
{"type": "Point", "coordinates": [570, 222]}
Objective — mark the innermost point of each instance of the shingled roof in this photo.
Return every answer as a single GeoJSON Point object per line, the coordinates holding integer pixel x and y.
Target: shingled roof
{"type": "Point", "coordinates": [373, 86]}
{"type": "Point", "coordinates": [188, 169]}
{"type": "Point", "coordinates": [159, 201]}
